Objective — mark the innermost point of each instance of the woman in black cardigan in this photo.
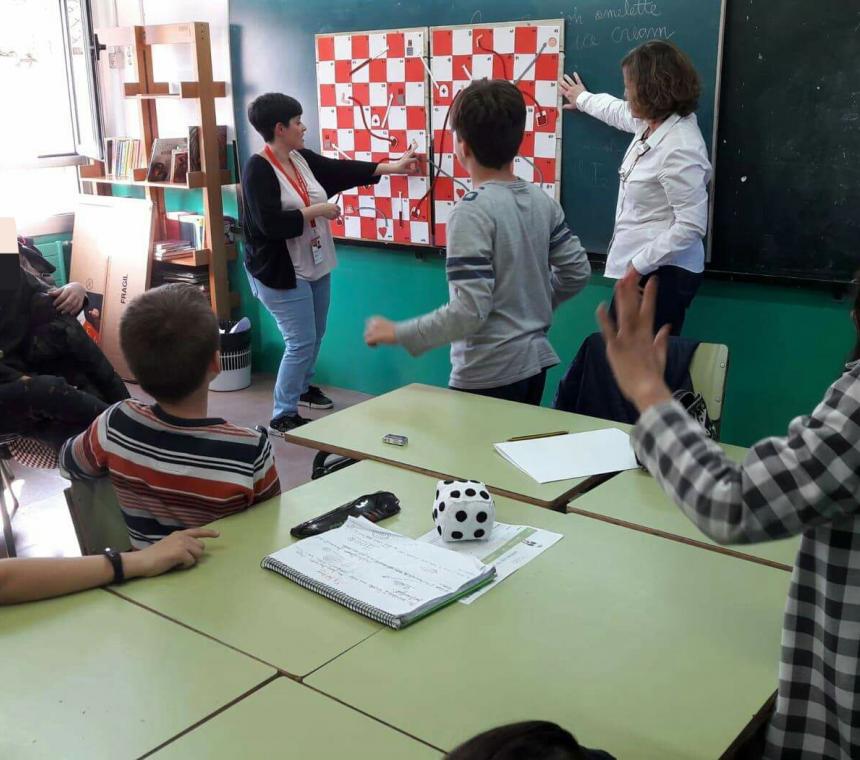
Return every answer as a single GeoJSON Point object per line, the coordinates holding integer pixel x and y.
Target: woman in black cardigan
{"type": "Point", "coordinates": [289, 250]}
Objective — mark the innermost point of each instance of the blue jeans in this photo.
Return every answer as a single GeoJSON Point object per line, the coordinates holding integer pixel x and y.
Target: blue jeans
{"type": "Point", "coordinates": [301, 316]}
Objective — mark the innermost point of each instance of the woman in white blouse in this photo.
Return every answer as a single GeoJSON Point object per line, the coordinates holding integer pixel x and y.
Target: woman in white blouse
{"type": "Point", "coordinates": [662, 212]}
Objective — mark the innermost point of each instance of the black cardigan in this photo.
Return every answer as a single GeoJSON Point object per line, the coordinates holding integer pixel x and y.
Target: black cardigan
{"type": "Point", "coordinates": [267, 225]}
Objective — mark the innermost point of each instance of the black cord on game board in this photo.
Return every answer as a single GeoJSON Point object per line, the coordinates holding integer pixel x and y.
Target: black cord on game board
{"type": "Point", "coordinates": [415, 210]}
{"type": "Point", "coordinates": [390, 140]}
{"type": "Point", "coordinates": [498, 55]}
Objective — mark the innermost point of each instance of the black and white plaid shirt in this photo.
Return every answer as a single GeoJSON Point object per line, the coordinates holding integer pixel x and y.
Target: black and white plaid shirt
{"type": "Point", "coordinates": [807, 483]}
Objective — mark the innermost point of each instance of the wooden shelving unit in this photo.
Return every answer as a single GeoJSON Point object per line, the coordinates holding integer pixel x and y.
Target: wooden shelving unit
{"type": "Point", "coordinates": [147, 92]}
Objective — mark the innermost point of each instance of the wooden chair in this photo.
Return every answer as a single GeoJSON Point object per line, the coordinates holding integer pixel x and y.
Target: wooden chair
{"type": "Point", "coordinates": [96, 515]}
{"type": "Point", "coordinates": [708, 371]}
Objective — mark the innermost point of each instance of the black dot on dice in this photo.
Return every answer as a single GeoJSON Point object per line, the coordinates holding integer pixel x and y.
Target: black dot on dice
{"type": "Point", "coordinates": [441, 506]}
{"type": "Point", "coordinates": [485, 495]}
{"type": "Point", "coordinates": [448, 482]}
{"type": "Point", "coordinates": [470, 492]}
{"type": "Point", "coordinates": [437, 493]}
{"type": "Point", "coordinates": [435, 514]}
{"type": "Point", "coordinates": [481, 517]}
{"type": "Point", "coordinates": [479, 533]}
{"type": "Point", "coordinates": [455, 494]}
{"type": "Point", "coordinates": [461, 516]}
{"type": "Point", "coordinates": [456, 534]}
{"type": "Point", "coordinates": [439, 528]}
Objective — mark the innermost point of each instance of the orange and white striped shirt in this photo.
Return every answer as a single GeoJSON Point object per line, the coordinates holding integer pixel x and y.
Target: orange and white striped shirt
{"type": "Point", "coordinates": [172, 473]}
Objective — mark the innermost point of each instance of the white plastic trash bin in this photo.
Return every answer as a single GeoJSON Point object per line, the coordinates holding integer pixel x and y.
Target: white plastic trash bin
{"type": "Point", "coordinates": [235, 360]}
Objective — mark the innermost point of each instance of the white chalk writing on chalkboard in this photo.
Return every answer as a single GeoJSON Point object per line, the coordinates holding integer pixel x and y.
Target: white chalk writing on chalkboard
{"type": "Point", "coordinates": [630, 9]}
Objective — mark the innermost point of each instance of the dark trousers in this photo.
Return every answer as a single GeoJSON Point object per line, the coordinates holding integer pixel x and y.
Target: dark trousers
{"type": "Point", "coordinates": [675, 293]}
{"type": "Point", "coordinates": [528, 391]}
{"type": "Point", "coordinates": [46, 408]}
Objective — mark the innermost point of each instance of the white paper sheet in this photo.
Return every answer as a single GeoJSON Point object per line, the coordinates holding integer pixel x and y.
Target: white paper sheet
{"type": "Point", "coordinates": [376, 566]}
{"type": "Point", "coordinates": [508, 548]}
{"type": "Point", "coordinates": [576, 455]}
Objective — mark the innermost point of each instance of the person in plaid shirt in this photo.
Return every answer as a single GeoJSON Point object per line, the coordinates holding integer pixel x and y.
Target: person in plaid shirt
{"type": "Point", "coordinates": [807, 482]}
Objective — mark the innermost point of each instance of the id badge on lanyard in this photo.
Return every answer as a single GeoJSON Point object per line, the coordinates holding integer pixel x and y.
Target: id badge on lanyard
{"type": "Point", "coordinates": [302, 190]}
{"type": "Point", "coordinates": [316, 244]}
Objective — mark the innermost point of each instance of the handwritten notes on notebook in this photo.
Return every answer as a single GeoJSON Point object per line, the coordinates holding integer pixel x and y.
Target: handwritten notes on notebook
{"type": "Point", "coordinates": [390, 578]}
{"type": "Point", "coordinates": [576, 455]}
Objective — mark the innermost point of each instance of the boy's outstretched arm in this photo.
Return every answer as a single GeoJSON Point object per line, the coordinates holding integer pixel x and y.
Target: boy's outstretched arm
{"type": "Point", "coordinates": [471, 278]}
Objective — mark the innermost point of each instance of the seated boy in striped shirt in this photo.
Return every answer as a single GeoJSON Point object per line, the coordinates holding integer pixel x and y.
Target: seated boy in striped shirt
{"type": "Point", "coordinates": [511, 260]}
{"type": "Point", "coordinates": [171, 465]}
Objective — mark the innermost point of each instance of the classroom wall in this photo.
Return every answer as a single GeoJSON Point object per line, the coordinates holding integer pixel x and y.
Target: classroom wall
{"type": "Point", "coordinates": [786, 344]}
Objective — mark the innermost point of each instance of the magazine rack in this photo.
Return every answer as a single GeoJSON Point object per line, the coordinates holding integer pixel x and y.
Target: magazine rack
{"type": "Point", "coordinates": [146, 91]}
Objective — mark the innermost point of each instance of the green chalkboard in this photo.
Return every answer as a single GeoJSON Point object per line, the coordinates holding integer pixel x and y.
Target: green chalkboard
{"type": "Point", "coordinates": [272, 48]}
{"type": "Point", "coordinates": [788, 175]}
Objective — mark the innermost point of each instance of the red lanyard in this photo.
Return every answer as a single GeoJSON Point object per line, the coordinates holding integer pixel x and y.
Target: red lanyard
{"type": "Point", "coordinates": [300, 187]}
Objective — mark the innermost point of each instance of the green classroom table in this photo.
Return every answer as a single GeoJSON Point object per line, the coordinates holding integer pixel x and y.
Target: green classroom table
{"type": "Point", "coordinates": [287, 720]}
{"type": "Point", "coordinates": [645, 647]}
{"type": "Point", "coordinates": [231, 598]}
{"type": "Point", "coordinates": [450, 433]}
{"type": "Point", "coordinates": [634, 499]}
{"type": "Point", "coordinates": [91, 675]}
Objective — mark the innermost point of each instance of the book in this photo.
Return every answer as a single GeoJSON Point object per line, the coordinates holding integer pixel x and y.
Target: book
{"type": "Point", "coordinates": [194, 164]}
{"type": "Point", "coordinates": [378, 573]}
{"type": "Point", "coordinates": [109, 148]}
{"type": "Point", "coordinates": [179, 165]}
{"type": "Point", "coordinates": [159, 162]}
{"type": "Point", "coordinates": [575, 455]}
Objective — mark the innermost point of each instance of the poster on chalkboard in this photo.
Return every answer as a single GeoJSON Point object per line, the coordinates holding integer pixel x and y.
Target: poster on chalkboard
{"type": "Point", "coordinates": [528, 53]}
{"type": "Point", "coordinates": [373, 106]}
{"type": "Point", "coordinates": [383, 92]}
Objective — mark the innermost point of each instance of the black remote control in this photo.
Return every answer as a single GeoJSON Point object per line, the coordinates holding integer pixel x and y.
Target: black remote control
{"type": "Point", "coordinates": [373, 506]}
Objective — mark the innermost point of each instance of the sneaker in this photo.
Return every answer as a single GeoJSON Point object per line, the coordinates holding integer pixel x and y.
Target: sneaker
{"type": "Point", "coordinates": [314, 398]}
{"type": "Point", "coordinates": [286, 422]}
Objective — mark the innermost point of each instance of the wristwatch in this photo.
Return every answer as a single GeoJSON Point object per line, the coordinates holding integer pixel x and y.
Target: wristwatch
{"type": "Point", "coordinates": [115, 558]}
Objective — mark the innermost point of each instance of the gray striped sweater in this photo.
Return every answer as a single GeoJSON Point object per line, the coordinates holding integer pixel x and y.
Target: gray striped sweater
{"type": "Point", "coordinates": [511, 260]}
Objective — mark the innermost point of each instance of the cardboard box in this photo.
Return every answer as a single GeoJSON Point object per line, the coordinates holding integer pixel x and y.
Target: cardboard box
{"type": "Point", "coordinates": [111, 247]}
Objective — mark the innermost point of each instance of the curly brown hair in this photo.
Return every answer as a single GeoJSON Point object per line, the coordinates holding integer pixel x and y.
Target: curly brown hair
{"type": "Point", "coordinates": [664, 80]}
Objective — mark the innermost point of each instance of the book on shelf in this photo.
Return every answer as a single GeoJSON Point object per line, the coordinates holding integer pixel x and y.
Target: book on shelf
{"type": "Point", "coordinates": [194, 164]}
{"type": "Point", "coordinates": [187, 226]}
{"type": "Point", "coordinates": [179, 165]}
{"type": "Point", "coordinates": [121, 156]}
{"type": "Point", "coordinates": [108, 156]}
{"type": "Point", "coordinates": [160, 158]}
{"type": "Point", "coordinates": [164, 250]}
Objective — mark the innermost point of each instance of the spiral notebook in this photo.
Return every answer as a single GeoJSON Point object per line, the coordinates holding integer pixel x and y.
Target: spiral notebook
{"type": "Point", "coordinates": [387, 577]}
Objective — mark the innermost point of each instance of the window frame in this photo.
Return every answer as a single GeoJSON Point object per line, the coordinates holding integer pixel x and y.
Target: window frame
{"type": "Point", "coordinates": [83, 150]}
{"type": "Point", "coordinates": [63, 222]}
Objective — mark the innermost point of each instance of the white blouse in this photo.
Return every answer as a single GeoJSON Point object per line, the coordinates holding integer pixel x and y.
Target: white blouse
{"type": "Point", "coordinates": [300, 248]}
{"type": "Point", "coordinates": [662, 210]}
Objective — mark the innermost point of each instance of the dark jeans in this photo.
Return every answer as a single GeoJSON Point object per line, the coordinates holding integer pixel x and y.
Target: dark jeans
{"type": "Point", "coordinates": [528, 391]}
{"type": "Point", "coordinates": [675, 293]}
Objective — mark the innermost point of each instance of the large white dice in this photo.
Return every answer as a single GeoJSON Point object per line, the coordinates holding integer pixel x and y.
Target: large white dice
{"type": "Point", "coordinates": [463, 510]}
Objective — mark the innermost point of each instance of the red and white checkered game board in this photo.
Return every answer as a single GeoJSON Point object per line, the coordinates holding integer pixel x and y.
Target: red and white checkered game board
{"type": "Point", "coordinates": [373, 106]}
{"type": "Point", "coordinates": [531, 54]}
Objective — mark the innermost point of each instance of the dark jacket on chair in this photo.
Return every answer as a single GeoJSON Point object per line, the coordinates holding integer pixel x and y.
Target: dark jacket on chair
{"type": "Point", "coordinates": [588, 386]}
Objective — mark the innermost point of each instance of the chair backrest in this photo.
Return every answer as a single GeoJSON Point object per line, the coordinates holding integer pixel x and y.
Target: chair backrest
{"type": "Point", "coordinates": [708, 371]}
{"type": "Point", "coordinates": [96, 515]}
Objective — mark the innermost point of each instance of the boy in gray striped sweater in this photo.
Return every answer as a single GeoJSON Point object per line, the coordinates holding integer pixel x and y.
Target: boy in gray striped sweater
{"type": "Point", "coordinates": [511, 260]}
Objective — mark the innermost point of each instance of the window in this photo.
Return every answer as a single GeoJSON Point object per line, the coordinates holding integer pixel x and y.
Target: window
{"type": "Point", "coordinates": [50, 112]}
